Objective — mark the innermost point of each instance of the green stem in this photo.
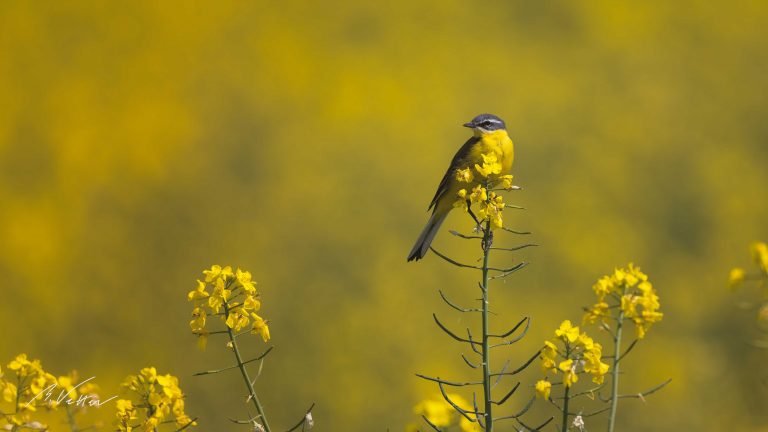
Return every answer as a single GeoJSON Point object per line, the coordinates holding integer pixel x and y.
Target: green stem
{"type": "Point", "coordinates": [18, 397]}
{"type": "Point", "coordinates": [566, 391]}
{"type": "Point", "coordinates": [246, 378]}
{"type": "Point", "coordinates": [615, 371]}
{"type": "Point", "coordinates": [487, 240]}
{"type": "Point", "coordinates": [565, 408]}
{"type": "Point", "coordinates": [71, 419]}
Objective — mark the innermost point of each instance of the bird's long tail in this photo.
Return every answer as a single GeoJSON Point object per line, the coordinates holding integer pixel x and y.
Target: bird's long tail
{"type": "Point", "coordinates": [427, 235]}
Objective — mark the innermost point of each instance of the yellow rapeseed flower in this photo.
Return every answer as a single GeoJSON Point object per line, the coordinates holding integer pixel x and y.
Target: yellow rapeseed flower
{"type": "Point", "coordinates": [506, 181]}
{"type": "Point", "coordinates": [237, 319]}
{"type": "Point", "coordinates": [217, 272]}
{"type": "Point", "coordinates": [479, 194]}
{"type": "Point", "coordinates": [260, 327]}
{"type": "Point", "coordinates": [125, 414]}
{"type": "Point", "coordinates": [491, 165]}
{"type": "Point", "coordinates": [598, 311]}
{"type": "Point", "coordinates": [569, 372]}
{"type": "Point", "coordinates": [543, 389]}
{"type": "Point", "coordinates": [464, 175]}
{"type": "Point", "coordinates": [198, 293]}
{"type": "Point", "coordinates": [567, 331]}
{"type": "Point", "coordinates": [244, 281]}
{"type": "Point", "coordinates": [198, 320]}
{"type": "Point", "coordinates": [548, 356]}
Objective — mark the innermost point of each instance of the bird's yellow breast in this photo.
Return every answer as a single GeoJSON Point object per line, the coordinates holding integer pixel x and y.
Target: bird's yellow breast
{"type": "Point", "coordinates": [495, 142]}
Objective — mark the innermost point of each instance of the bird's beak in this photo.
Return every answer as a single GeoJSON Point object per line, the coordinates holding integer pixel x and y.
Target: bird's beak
{"type": "Point", "coordinates": [469, 125]}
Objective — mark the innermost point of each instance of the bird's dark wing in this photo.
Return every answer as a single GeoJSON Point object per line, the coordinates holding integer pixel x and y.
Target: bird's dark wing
{"type": "Point", "coordinates": [455, 162]}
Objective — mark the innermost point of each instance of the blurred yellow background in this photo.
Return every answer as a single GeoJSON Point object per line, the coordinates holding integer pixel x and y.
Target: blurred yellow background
{"type": "Point", "coordinates": [141, 142]}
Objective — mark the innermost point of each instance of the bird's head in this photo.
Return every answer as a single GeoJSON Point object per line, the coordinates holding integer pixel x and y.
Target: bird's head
{"type": "Point", "coordinates": [486, 123]}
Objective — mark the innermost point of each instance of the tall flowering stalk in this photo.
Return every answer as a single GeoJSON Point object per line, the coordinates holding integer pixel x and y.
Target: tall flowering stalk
{"type": "Point", "coordinates": [234, 299]}
{"type": "Point", "coordinates": [624, 297]}
{"type": "Point", "coordinates": [485, 206]}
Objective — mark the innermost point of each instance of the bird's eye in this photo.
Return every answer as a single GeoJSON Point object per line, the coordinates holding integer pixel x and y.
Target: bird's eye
{"type": "Point", "coordinates": [487, 123]}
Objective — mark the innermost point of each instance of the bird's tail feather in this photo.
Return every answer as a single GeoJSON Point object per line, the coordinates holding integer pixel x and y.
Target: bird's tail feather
{"type": "Point", "coordinates": [427, 235]}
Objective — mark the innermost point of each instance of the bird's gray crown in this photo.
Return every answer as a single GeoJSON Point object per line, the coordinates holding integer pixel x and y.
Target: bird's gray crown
{"type": "Point", "coordinates": [488, 122]}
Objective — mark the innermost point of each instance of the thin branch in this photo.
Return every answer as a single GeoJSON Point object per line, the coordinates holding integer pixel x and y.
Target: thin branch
{"type": "Point", "coordinates": [261, 356]}
{"type": "Point", "coordinates": [593, 413]}
{"type": "Point", "coordinates": [187, 425]}
{"type": "Point", "coordinates": [507, 272]}
{"type": "Point", "coordinates": [516, 248]}
{"type": "Point", "coordinates": [591, 392]}
{"type": "Point", "coordinates": [521, 368]}
{"type": "Point", "coordinates": [534, 429]}
{"type": "Point", "coordinates": [469, 363]}
{"type": "Point", "coordinates": [435, 428]}
{"type": "Point", "coordinates": [498, 378]}
{"type": "Point", "coordinates": [504, 399]}
{"type": "Point", "coordinates": [474, 348]}
{"type": "Point", "coordinates": [479, 414]}
{"type": "Point", "coordinates": [303, 420]}
{"type": "Point", "coordinates": [249, 421]}
{"type": "Point", "coordinates": [632, 345]}
{"type": "Point", "coordinates": [456, 407]}
{"type": "Point", "coordinates": [605, 327]}
{"type": "Point", "coordinates": [515, 339]}
{"type": "Point", "coordinates": [643, 394]}
{"type": "Point", "coordinates": [468, 237]}
{"type": "Point", "coordinates": [452, 334]}
{"type": "Point", "coordinates": [449, 383]}
{"type": "Point", "coordinates": [456, 263]}
{"type": "Point", "coordinates": [640, 395]}
{"type": "Point", "coordinates": [516, 232]}
{"type": "Point", "coordinates": [521, 412]}
{"type": "Point", "coordinates": [453, 305]}
{"type": "Point", "coordinates": [502, 336]}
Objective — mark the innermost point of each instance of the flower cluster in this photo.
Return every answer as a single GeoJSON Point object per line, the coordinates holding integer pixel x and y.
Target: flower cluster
{"type": "Point", "coordinates": [157, 397]}
{"type": "Point", "coordinates": [629, 290]}
{"type": "Point", "coordinates": [19, 384]}
{"type": "Point", "coordinates": [490, 204]}
{"type": "Point", "coordinates": [441, 414]}
{"type": "Point", "coordinates": [233, 298]}
{"type": "Point", "coordinates": [577, 353]}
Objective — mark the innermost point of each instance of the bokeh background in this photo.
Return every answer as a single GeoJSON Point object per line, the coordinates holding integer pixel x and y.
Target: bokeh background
{"type": "Point", "coordinates": [141, 142]}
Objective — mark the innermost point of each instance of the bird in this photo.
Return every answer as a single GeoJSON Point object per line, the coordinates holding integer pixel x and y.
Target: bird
{"type": "Point", "coordinates": [489, 137]}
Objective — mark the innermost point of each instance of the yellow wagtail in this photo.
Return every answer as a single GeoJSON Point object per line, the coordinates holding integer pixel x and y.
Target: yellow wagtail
{"type": "Point", "coordinates": [489, 137]}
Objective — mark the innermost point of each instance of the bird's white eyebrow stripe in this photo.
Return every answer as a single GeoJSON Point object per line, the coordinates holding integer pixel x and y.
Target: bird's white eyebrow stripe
{"type": "Point", "coordinates": [493, 120]}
